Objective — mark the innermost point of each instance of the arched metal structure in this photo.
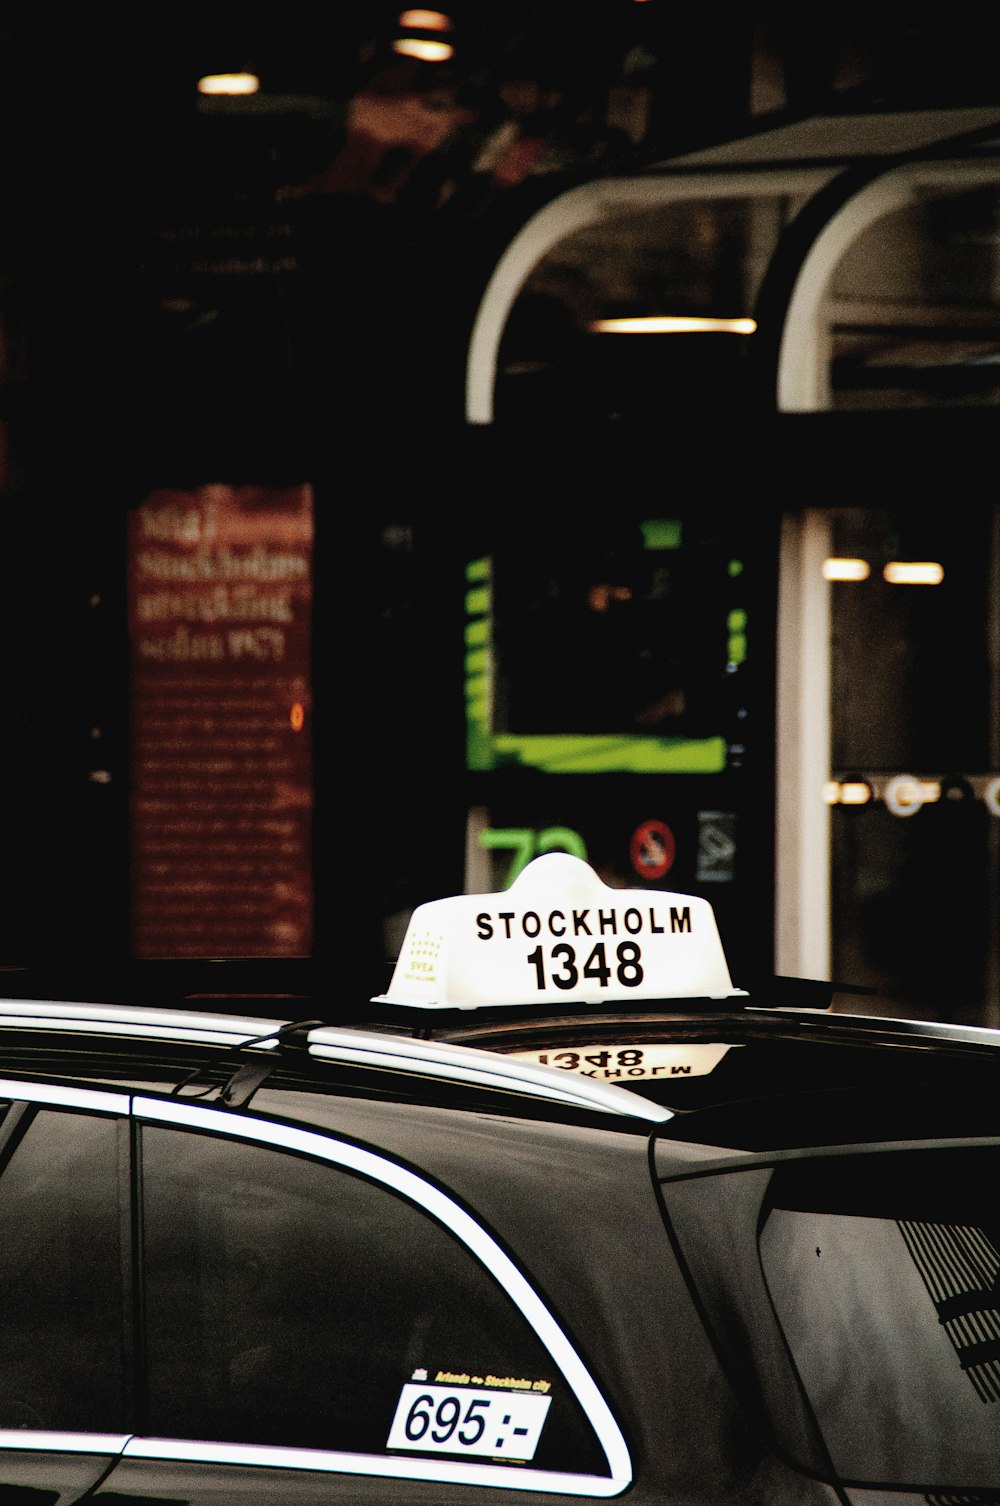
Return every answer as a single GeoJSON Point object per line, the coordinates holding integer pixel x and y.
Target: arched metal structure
{"type": "Point", "coordinates": [839, 178]}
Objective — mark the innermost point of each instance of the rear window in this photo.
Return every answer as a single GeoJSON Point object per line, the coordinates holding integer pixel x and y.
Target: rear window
{"type": "Point", "coordinates": [883, 1271]}
{"type": "Point", "coordinates": [855, 1302]}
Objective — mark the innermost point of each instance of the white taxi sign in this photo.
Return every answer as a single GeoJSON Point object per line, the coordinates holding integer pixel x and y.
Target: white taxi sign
{"type": "Point", "coordinates": [559, 935]}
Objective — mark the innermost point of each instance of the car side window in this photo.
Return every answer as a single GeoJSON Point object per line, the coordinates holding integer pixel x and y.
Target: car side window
{"type": "Point", "coordinates": [62, 1349]}
{"type": "Point", "coordinates": [884, 1272]}
{"type": "Point", "coordinates": [290, 1302]}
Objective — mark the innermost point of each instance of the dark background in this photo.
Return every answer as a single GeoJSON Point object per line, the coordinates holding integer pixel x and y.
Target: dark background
{"type": "Point", "coordinates": [265, 291]}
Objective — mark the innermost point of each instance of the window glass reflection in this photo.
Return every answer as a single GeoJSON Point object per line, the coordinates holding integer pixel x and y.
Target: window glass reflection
{"type": "Point", "coordinates": [61, 1333]}
{"type": "Point", "coordinates": [883, 1273]}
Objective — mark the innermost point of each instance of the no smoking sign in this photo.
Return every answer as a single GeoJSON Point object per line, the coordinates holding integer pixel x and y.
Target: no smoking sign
{"type": "Point", "coordinates": [652, 849]}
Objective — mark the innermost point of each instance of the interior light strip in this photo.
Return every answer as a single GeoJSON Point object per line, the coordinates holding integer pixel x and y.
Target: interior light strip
{"type": "Point", "coordinates": [468, 1065]}
{"type": "Point", "coordinates": [229, 83]}
{"type": "Point", "coordinates": [63, 1443]}
{"type": "Point", "coordinates": [672, 324]}
{"type": "Point", "coordinates": [486, 1250]}
{"type": "Point", "coordinates": [64, 1097]}
{"type": "Point", "coordinates": [426, 20]}
{"type": "Point", "coordinates": [846, 569]}
{"type": "Point", "coordinates": [914, 573]}
{"type": "Point", "coordinates": [904, 795]}
{"type": "Point", "coordinates": [850, 792]}
{"type": "Point", "coordinates": [424, 49]}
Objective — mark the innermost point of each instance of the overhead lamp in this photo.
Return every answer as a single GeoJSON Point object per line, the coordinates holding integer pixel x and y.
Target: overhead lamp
{"type": "Point", "coordinates": [669, 324]}
{"type": "Point", "coordinates": [429, 26]}
{"type": "Point", "coordinates": [913, 573]}
{"type": "Point", "coordinates": [425, 20]}
{"type": "Point", "coordinates": [423, 48]}
{"type": "Point", "coordinates": [229, 83]}
{"type": "Point", "coordinates": [850, 792]}
{"type": "Point", "coordinates": [845, 569]}
{"type": "Point", "coordinates": [904, 795]}
{"type": "Point", "coordinates": [854, 792]}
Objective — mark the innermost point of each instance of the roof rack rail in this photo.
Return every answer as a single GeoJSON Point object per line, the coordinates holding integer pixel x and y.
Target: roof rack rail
{"type": "Point", "coordinates": [778, 991]}
{"type": "Point", "coordinates": [242, 1053]}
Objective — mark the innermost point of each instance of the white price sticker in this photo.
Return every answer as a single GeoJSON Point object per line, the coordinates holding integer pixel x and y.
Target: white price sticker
{"type": "Point", "coordinates": [466, 1420]}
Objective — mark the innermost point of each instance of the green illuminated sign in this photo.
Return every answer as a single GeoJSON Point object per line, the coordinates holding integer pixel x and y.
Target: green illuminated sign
{"type": "Point", "coordinates": [575, 753]}
{"type": "Point", "coordinates": [526, 844]}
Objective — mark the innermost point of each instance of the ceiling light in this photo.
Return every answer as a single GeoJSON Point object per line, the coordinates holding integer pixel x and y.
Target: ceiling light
{"type": "Point", "coordinates": [846, 569]}
{"type": "Point", "coordinates": [854, 792]}
{"type": "Point", "coordinates": [913, 573]}
{"type": "Point", "coordinates": [425, 45]}
{"type": "Point", "coordinates": [425, 20]}
{"type": "Point", "coordinates": [904, 795]}
{"type": "Point", "coordinates": [664, 324]}
{"type": "Point", "coordinates": [424, 49]}
{"type": "Point", "coordinates": [229, 83]}
{"type": "Point", "coordinates": [851, 792]}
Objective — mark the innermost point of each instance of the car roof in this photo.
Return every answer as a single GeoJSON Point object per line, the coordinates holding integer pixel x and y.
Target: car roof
{"type": "Point", "coordinates": [776, 1077]}
{"type": "Point", "coordinates": [560, 996]}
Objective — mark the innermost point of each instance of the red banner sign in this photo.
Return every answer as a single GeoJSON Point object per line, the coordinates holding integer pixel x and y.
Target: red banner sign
{"type": "Point", "coordinates": [220, 607]}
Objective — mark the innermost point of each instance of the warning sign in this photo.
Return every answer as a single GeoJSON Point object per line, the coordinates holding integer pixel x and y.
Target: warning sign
{"type": "Point", "coordinates": [716, 847]}
{"type": "Point", "coordinates": [652, 849]}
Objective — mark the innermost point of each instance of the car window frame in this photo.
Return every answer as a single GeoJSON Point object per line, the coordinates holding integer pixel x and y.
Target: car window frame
{"type": "Point", "coordinates": [23, 1096]}
{"type": "Point", "coordinates": [425, 1194]}
{"type": "Point", "coordinates": [445, 1210]}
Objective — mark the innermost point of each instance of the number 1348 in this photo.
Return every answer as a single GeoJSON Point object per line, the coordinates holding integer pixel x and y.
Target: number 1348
{"type": "Point", "coordinates": [564, 970]}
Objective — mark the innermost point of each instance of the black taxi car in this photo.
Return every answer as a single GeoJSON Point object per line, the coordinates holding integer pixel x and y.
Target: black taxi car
{"type": "Point", "coordinates": [663, 1242]}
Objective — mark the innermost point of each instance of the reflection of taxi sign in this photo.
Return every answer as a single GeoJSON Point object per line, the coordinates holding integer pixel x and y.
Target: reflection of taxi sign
{"type": "Point", "coordinates": [636, 1059]}
{"type": "Point", "coordinates": [559, 936]}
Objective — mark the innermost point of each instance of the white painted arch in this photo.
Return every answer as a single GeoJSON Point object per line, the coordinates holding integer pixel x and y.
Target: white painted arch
{"type": "Point", "coordinates": [802, 879]}
{"type": "Point", "coordinates": [803, 363]}
{"type": "Point", "coordinates": [576, 210]}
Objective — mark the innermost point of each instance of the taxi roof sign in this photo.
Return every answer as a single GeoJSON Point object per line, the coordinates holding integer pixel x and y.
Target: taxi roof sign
{"type": "Point", "coordinates": [559, 935]}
